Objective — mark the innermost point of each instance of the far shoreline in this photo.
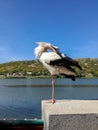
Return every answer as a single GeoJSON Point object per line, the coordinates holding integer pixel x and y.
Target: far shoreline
{"type": "Point", "coordinates": [44, 77]}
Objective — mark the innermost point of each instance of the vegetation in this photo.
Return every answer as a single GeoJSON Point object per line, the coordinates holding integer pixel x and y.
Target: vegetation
{"type": "Point", "coordinates": [35, 69]}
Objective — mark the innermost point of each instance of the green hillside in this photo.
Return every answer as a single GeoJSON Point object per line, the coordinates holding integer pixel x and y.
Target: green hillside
{"type": "Point", "coordinates": [35, 69]}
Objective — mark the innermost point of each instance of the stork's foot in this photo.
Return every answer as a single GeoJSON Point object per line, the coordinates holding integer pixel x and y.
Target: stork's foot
{"type": "Point", "coordinates": [51, 101]}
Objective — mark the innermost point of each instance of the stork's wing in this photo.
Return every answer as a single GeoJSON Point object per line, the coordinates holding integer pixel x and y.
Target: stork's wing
{"type": "Point", "coordinates": [65, 61]}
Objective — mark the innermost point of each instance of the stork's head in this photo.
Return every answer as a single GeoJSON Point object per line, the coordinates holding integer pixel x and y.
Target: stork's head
{"type": "Point", "coordinates": [43, 47]}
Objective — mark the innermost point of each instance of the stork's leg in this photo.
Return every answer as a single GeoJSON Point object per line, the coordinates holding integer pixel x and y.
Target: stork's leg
{"type": "Point", "coordinates": [53, 99]}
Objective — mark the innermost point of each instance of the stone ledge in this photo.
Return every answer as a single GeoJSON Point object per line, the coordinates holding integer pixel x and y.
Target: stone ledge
{"type": "Point", "coordinates": [70, 115]}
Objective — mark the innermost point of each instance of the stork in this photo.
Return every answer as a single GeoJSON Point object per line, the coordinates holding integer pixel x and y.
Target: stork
{"type": "Point", "coordinates": [55, 62]}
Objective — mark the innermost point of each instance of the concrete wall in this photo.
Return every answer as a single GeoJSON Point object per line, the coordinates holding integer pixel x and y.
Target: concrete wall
{"type": "Point", "coordinates": [70, 115]}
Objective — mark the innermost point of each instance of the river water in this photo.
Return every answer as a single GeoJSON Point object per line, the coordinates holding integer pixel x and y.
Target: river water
{"type": "Point", "coordinates": [21, 98]}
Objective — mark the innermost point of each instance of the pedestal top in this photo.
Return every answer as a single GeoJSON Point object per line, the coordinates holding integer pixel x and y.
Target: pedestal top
{"type": "Point", "coordinates": [71, 106]}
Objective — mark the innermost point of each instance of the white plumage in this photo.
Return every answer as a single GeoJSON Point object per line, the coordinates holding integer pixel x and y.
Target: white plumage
{"type": "Point", "coordinates": [55, 62]}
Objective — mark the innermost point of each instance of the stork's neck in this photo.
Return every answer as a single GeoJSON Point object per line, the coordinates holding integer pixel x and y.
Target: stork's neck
{"type": "Point", "coordinates": [39, 50]}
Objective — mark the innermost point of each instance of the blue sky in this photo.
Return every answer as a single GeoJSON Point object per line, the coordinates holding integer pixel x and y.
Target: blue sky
{"type": "Point", "coordinates": [72, 25]}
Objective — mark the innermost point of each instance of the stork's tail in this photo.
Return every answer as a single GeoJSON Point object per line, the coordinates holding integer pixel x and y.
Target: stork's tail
{"type": "Point", "coordinates": [70, 76]}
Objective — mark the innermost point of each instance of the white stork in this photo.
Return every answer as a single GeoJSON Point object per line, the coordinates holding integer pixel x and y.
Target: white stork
{"type": "Point", "coordinates": [55, 62]}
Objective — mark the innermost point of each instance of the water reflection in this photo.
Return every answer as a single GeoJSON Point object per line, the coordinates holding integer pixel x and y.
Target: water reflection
{"type": "Point", "coordinates": [21, 98]}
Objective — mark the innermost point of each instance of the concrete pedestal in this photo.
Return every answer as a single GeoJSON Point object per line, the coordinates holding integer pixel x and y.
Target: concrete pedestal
{"type": "Point", "coordinates": [70, 115]}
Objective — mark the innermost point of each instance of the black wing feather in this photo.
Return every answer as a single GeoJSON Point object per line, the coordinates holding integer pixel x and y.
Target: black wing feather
{"type": "Point", "coordinates": [65, 61]}
{"type": "Point", "coordinates": [59, 62]}
{"type": "Point", "coordinates": [72, 62]}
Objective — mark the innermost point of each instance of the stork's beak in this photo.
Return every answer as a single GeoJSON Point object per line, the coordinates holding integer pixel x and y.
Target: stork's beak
{"type": "Point", "coordinates": [54, 48]}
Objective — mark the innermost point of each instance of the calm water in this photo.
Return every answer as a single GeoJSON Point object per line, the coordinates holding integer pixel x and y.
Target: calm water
{"type": "Point", "coordinates": [21, 98]}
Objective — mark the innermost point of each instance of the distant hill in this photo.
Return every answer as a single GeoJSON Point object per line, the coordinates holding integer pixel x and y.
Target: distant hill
{"type": "Point", "coordinates": [33, 68]}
